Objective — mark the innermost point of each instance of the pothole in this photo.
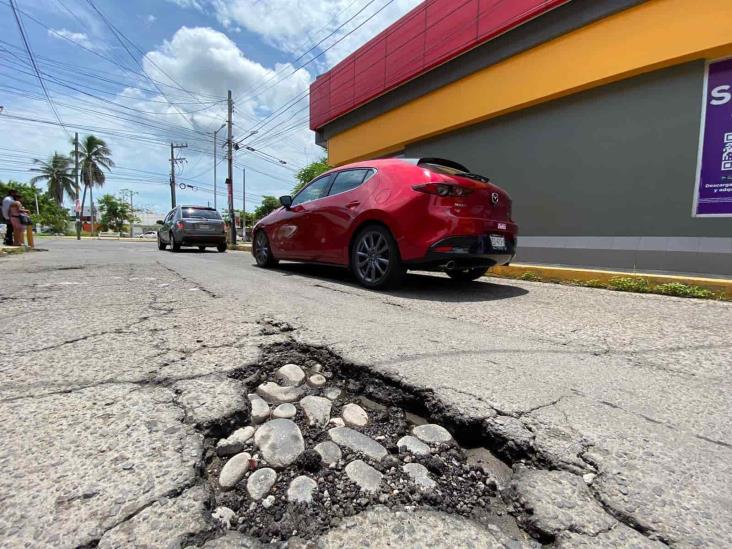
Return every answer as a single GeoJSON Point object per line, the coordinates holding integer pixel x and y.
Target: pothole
{"type": "Point", "coordinates": [356, 442]}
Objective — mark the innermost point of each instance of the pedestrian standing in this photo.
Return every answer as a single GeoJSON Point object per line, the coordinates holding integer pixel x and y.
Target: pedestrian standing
{"type": "Point", "coordinates": [20, 218]}
{"type": "Point", "coordinates": [8, 200]}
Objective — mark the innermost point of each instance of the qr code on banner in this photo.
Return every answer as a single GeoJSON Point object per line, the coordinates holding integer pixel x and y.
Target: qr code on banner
{"type": "Point", "coordinates": [727, 153]}
{"type": "Point", "coordinates": [728, 137]}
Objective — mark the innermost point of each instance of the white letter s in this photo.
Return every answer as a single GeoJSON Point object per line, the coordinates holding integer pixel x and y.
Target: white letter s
{"type": "Point", "coordinates": [721, 95]}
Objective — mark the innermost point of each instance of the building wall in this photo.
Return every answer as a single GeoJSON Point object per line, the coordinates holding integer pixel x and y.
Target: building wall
{"type": "Point", "coordinates": [604, 177]}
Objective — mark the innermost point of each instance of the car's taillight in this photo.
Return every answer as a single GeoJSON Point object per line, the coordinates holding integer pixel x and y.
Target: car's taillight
{"type": "Point", "coordinates": [180, 225]}
{"type": "Point", "coordinates": [442, 189]}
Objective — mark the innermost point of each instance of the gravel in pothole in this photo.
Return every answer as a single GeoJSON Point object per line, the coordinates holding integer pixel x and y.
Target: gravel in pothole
{"type": "Point", "coordinates": [339, 455]}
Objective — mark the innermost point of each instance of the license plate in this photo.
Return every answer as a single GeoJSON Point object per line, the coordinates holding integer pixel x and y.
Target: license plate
{"type": "Point", "coordinates": [204, 227]}
{"type": "Point", "coordinates": [498, 241]}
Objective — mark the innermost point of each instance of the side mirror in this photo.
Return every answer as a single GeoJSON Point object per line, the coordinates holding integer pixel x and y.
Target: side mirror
{"type": "Point", "coordinates": [286, 201]}
{"type": "Point", "coordinates": [159, 222]}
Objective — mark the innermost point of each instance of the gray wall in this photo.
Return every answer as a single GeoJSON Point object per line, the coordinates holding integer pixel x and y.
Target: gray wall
{"type": "Point", "coordinates": [618, 161]}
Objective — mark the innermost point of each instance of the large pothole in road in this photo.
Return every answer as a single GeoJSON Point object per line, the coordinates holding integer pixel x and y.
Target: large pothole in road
{"type": "Point", "coordinates": [327, 441]}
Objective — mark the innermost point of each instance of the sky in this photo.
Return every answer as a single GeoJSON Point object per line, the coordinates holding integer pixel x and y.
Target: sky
{"type": "Point", "coordinates": [142, 73]}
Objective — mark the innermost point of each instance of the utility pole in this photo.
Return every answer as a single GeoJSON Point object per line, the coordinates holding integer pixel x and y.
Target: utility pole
{"type": "Point", "coordinates": [130, 193]}
{"type": "Point", "coordinates": [215, 160]}
{"type": "Point", "coordinates": [230, 179]}
{"type": "Point", "coordinates": [76, 179]}
{"type": "Point", "coordinates": [173, 162]}
{"type": "Point", "coordinates": [91, 199]}
{"type": "Point", "coordinates": [244, 204]}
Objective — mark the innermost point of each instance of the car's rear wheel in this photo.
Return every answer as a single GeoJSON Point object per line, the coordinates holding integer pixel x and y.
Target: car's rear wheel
{"type": "Point", "coordinates": [174, 246]}
{"type": "Point", "coordinates": [466, 275]}
{"type": "Point", "coordinates": [375, 259]}
{"type": "Point", "coordinates": [161, 245]}
{"type": "Point", "coordinates": [221, 247]}
{"type": "Point", "coordinates": [263, 251]}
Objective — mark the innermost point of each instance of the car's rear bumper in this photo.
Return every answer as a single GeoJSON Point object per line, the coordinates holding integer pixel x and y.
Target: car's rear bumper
{"type": "Point", "coordinates": [200, 240]}
{"type": "Point", "coordinates": [461, 252]}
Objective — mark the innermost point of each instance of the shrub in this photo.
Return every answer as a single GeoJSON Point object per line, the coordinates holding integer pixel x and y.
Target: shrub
{"type": "Point", "coordinates": [683, 290]}
{"type": "Point", "coordinates": [629, 284]}
{"type": "Point", "coordinates": [594, 283]}
{"type": "Point", "coordinates": [530, 276]}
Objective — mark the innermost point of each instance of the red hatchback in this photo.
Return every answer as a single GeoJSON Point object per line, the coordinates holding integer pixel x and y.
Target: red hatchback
{"type": "Point", "coordinates": [382, 217]}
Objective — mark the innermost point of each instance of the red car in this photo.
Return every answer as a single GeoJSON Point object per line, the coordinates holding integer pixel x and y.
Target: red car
{"type": "Point", "coordinates": [382, 217]}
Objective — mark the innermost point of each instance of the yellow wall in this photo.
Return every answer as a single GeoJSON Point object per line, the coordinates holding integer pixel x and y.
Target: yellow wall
{"type": "Point", "coordinates": [650, 36]}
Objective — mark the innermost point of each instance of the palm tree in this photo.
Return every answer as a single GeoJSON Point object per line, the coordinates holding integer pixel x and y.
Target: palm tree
{"type": "Point", "coordinates": [93, 156]}
{"type": "Point", "coordinates": [56, 172]}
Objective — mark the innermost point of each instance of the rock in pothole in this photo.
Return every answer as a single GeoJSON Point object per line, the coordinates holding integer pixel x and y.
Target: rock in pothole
{"type": "Point", "coordinates": [413, 445]}
{"type": "Point", "coordinates": [344, 436]}
{"type": "Point", "coordinates": [272, 392]}
{"type": "Point", "coordinates": [332, 393]}
{"type": "Point", "coordinates": [284, 411]}
{"type": "Point", "coordinates": [432, 434]}
{"type": "Point", "coordinates": [354, 415]}
{"type": "Point", "coordinates": [367, 478]}
{"type": "Point", "coordinates": [329, 452]}
{"type": "Point", "coordinates": [260, 482]}
{"type": "Point", "coordinates": [419, 475]}
{"type": "Point", "coordinates": [234, 470]}
{"type": "Point", "coordinates": [280, 442]}
{"type": "Point", "coordinates": [337, 422]}
{"type": "Point", "coordinates": [260, 408]}
{"type": "Point", "coordinates": [317, 380]}
{"type": "Point", "coordinates": [235, 443]}
{"type": "Point", "coordinates": [317, 410]}
{"type": "Point", "coordinates": [290, 375]}
{"type": "Point", "coordinates": [301, 490]}
{"type": "Point", "coordinates": [225, 517]}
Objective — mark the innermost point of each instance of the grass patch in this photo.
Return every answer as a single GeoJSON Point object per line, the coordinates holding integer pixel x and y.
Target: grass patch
{"type": "Point", "coordinates": [683, 290]}
{"type": "Point", "coordinates": [629, 284]}
{"type": "Point", "coordinates": [530, 276]}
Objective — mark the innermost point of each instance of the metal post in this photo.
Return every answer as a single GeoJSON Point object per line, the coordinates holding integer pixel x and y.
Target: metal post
{"type": "Point", "coordinates": [230, 180]}
{"type": "Point", "coordinates": [244, 204]}
{"type": "Point", "coordinates": [76, 179]}
{"type": "Point", "coordinates": [217, 131]}
{"type": "Point", "coordinates": [172, 176]}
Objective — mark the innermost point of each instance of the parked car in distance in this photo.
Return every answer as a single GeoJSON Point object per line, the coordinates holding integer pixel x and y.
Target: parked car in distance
{"type": "Point", "coordinates": [192, 226]}
{"type": "Point", "coordinates": [148, 234]}
{"type": "Point", "coordinates": [383, 217]}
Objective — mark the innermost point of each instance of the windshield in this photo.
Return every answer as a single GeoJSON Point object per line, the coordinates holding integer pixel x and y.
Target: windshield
{"type": "Point", "coordinates": [200, 213]}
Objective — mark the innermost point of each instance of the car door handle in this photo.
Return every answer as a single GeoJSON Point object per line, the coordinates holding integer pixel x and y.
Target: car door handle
{"type": "Point", "coordinates": [353, 204]}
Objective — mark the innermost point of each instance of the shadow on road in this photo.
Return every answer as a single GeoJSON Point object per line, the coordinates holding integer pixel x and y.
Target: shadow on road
{"type": "Point", "coordinates": [419, 285]}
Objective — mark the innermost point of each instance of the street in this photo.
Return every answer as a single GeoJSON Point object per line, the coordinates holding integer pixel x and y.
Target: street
{"type": "Point", "coordinates": [612, 409]}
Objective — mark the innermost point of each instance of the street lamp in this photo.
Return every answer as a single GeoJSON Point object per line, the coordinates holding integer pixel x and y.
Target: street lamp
{"type": "Point", "coordinates": [214, 135]}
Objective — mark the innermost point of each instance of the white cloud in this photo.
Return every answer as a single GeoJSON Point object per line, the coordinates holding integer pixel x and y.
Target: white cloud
{"type": "Point", "coordinates": [78, 37]}
{"type": "Point", "coordinates": [150, 19]}
{"type": "Point", "coordinates": [187, 4]}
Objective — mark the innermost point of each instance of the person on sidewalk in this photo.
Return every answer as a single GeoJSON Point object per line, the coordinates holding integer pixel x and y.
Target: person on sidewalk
{"type": "Point", "coordinates": [17, 216]}
{"type": "Point", "coordinates": [11, 197]}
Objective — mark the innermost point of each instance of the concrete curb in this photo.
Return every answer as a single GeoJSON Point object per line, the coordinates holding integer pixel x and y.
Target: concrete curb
{"type": "Point", "coordinates": [721, 286]}
{"type": "Point", "coordinates": [11, 250]}
{"type": "Point", "coordinates": [241, 247]}
{"type": "Point", "coordinates": [123, 239]}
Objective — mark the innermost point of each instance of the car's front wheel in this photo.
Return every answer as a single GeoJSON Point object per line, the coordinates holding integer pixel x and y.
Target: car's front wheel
{"type": "Point", "coordinates": [263, 251]}
{"type": "Point", "coordinates": [161, 245]}
{"type": "Point", "coordinates": [375, 259]}
{"type": "Point", "coordinates": [466, 275]}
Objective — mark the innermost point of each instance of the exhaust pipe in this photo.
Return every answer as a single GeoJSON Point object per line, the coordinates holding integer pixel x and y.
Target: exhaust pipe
{"type": "Point", "coordinates": [450, 265]}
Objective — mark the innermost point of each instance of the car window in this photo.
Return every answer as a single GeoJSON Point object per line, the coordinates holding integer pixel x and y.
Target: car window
{"type": "Point", "coordinates": [348, 179]}
{"type": "Point", "coordinates": [316, 189]}
{"type": "Point", "coordinates": [200, 213]}
{"type": "Point", "coordinates": [169, 217]}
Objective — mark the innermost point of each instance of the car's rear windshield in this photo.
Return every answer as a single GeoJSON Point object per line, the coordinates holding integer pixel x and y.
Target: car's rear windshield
{"type": "Point", "coordinates": [200, 213]}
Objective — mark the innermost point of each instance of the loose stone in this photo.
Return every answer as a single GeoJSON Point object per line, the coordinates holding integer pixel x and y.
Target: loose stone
{"type": "Point", "coordinates": [354, 415]}
{"type": "Point", "coordinates": [367, 478]}
{"type": "Point", "coordinates": [337, 422]}
{"type": "Point", "coordinates": [419, 475]}
{"type": "Point", "coordinates": [260, 409]}
{"type": "Point", "coordinates": [268, 502]}
{"type": "Point", "coordinates": [316, 368]}
{"type": "Point", "coordinates": [332, 393]}
{"type": "Point", "coordinates": [329, 452]}
{"type": "Point", "coordinates": [224, 516]}
{"type": "Point", "coordinates": [260, 482]}
{"type": "Point", "coordinates": [235, 443]}
{"type": "Point", "coordinates": [357, 442]}
{"type": "Point", "coordinates": [280, 442]}
{"type": "Point", "coordinates": [588, 478]}
{"type": "Point", "coordinates": [272, 392]}
{"type": "Point", "coordinates": [317, 410]}
{"type": "Point", "coordinates": [316, 380]}
{"type": "Point", "coordinates": [432, 434]}
{"type": "Point", "coordinates": [234, 470]}
{"type": "Point", "coordinates": [301, 490]}
{"type": "Point", "coordinates": [290, 375]}
{"type": "Point", "coordinates": [284, 411]}
{"type": "Point", "coordinates": [413, 445]}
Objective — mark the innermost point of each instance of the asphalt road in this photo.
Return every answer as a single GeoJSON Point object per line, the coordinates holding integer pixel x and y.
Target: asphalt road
{"type": "Point", "coordinates": [618, 403]}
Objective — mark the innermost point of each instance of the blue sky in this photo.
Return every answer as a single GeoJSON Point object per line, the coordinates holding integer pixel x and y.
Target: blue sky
{"type": "Point", "coordinates": [160, 73]}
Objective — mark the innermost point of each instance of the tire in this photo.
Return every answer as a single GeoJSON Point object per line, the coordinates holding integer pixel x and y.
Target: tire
{"type": "Point", "coordinates": [263, 251]}
{"type": "Point", "coordinates": [202, 248]}
{"type": "Point", "coordinates": [161, 245]}
{"type": "Point", "coordinates": [221, 247]}
{"type": "Point", "coordinates": [467, 275]}
{"type": "Point", "coordinates": [174, 246]}
{"type": "Point", "coordinates": [375, 259]}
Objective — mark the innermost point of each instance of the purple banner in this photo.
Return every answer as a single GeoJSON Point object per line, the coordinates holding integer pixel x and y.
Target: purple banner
{"type": "Point", "coordinates": [713, 194]}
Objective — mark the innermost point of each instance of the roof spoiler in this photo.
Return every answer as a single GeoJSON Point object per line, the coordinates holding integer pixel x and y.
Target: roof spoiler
{"type": "Point", "coordinates": [438, 162]}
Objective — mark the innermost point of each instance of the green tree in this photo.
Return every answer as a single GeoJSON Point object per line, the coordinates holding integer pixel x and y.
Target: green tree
{"type": "Point", "coordinates": [114, 213]}
{"type": "Point", "coordinates": [94, 158]}
{"type": "Point", "coordinates": [57, 173]}
{"type": "Point", "coordinates": [310, 172]}
{"type": "Point", "coordinates": [268, 205]}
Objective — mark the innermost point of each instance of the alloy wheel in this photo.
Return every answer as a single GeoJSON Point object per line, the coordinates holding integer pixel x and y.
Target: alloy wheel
{"type": "Point", "coordinates": [372, 257]}
{"type": "Point", "coordinates": [261, 251]}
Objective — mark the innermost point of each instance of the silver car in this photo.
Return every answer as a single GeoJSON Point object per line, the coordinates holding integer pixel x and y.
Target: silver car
{"type": "Point", "coordinates": [192, 226]}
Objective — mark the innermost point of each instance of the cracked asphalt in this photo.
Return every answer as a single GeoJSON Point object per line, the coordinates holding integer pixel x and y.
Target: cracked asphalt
{"type": "Point", "coordinates": [614, 408]}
